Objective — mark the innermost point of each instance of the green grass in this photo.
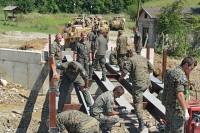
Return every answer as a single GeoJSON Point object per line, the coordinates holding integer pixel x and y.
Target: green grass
{"type": "Point", "coordinates": [47, 23]}
{"type": "Point", "coordinates": [161, 3]}
{"type": "Point", "coordinates": [50, 23]}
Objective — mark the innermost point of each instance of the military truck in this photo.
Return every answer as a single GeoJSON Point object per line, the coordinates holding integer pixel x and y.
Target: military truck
{"type": "Point", "coordinates": [72, 31]}
{"type": "Point", "coordinates": [117, 23]}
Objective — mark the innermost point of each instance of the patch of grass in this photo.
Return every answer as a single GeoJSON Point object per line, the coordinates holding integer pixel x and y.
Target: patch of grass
{"type": "Point", "coordinates": [161, 3]}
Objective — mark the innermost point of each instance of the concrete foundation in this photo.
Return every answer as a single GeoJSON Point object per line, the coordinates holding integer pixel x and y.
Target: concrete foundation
{"type": "Point", "coordinates": [28, 68]}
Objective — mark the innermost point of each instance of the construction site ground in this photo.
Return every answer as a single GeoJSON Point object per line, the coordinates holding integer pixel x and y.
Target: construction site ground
{"type": "Point", "coordinates": [23, 111]}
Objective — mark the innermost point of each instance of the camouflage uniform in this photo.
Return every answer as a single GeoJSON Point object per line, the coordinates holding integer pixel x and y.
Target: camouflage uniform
{"type": "Point", "coordinates": [174, 81]}
{"type": "Point", "coordinates": [138, 47]}
{"type": "Point", "coordinates": [56, 52]}
{"type": "Point", "coordinates": [73, 121]}
{"type": "Point", "coordinates": [112, 58]}
{"type": "Point", "coordinates": [121, 51]}
{"type": "Point", "coordinates": [83, 50]}
{"type": "Point", "coordinates": [101, 46]}
{"type": "Point", "coordinates": [76, 79]}
{"type": "Point", "coordinates": [138, 67]}
{"type": "Point", "coordinates": [102, 106]}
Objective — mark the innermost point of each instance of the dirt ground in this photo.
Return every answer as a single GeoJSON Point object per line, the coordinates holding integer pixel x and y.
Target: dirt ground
{"type": "Point", "coordinates": [23, 110]}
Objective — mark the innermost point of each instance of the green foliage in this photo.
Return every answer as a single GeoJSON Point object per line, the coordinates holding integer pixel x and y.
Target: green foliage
{"type": "Point", "coordinates": [26, 5]}
{"type": "Point", "coordinates": [172, 25]}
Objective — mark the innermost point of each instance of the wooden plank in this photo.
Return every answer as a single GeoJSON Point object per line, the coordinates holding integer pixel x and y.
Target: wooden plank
{"type": "Point", "coordinates": [121, 100]}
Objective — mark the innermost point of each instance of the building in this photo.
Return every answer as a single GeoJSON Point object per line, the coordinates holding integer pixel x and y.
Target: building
{"type": "Point", "coordinates": [148, 20]}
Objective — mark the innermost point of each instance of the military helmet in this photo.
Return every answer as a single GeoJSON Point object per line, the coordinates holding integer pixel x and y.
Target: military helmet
{"type": "Point", "coordinates": [120, 32]}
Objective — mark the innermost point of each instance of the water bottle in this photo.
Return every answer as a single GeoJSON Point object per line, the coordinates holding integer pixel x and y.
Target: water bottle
{"type": "Point", "coordinates": [187, 95]}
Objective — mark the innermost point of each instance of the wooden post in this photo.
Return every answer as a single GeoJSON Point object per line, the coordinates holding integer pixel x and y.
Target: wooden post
{"type": "Point", "coordinates": [52, 92]}
{"type": "Point", "coordinates": [148, 52]}
{"type": "Point", "coordinates": [164, 62]}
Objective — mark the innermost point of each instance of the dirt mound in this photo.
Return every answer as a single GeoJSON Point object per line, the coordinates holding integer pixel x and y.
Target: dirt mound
{"type": "Point", "coordinates": [35, 44]}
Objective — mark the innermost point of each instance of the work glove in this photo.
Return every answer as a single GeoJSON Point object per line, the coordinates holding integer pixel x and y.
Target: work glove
{"type": "Point", "coordinates": [187, 116]}
{"type": "Point", "coordinates": [121, 108]}
{"type": "Point", "coordinates": [123, 112]}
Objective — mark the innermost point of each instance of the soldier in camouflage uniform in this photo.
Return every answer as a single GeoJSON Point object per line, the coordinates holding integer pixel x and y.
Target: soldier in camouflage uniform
{"type": "Point", "coordinates": [139, 68]}
{"type": "Point", "coordinates": [73, 72]}
{"type": "Point", "coordinates": [113, 57]}
{"type": "Point", "coordinates": [56, 52]}
{"type": "Point", "coordinates": [101, 47]}
{"type": "Point", "coordinates": [73, 121]}
{"type": "Point", "coordinates": [121, 49]}
{"type": "Point", "coordinates": [173, 98]}
{"type": "Point", "coordinates": [82, 52]}
{"type": "Point", "coordinates": [104, 105]}
{"type": "Point", "coordinates": [137, 40]}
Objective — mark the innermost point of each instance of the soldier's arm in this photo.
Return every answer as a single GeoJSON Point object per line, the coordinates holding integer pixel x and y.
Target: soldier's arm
{"type": "Point", "coordinates": [150, 66]}
{"type": "Point", "coordinates": [139, 38]}
{"type": "Point", "coordinates": [75, 53]}
{"type": "Point", "coordinates": [179, 86]}
{"type": "Point", "coordinates": [109, 108]}
{"type": "Point", "coordinates": [62, 127]}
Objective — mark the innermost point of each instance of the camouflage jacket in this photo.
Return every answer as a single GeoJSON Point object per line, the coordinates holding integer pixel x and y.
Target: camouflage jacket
{"type": "Point", "coordinates": [82, 49]}
{"type": "Point", "coordinates": [113, 58]}
{"type": "Point", "coordinates": [138, 67]}
{"type": "Point", "coordinates": [174, 81]}
{"type": "Point", "coordinates": [72, 121]}
{"type": "Point", "coordinates": [103, 104]}
{"type": "Point", "coordinates": [72, 76]}
{"type": "Point", "coordinates": [121, 44]}
{"type": "Point", "coordinates": [56, 50]}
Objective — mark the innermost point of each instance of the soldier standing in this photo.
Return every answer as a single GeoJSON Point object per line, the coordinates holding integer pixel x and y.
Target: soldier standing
{"type": "Point", "coordinates": [137, 40]}
{"type": "Point", "coordinates": [104, 105]}
{"type": "Point", "coordinates": [121, 49]}
{"type": "Point", "coordinates": [173, 97]}
{"type": "Point", "coordinates": [101, 47]}
{"type": "Point", "coordinates": [73, 72]}
{"type": "Point", "coordinates": [56, 52]}
{"type": "Point", "coordinates": [73, 121]}
{"type": "Point", "coordinates": [82, 52]}
{"type": "Point", "coordinates": [139, 68]}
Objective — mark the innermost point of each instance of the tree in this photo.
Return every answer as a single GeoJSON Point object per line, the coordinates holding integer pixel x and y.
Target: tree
{"type": "Point", "coordinates": [26, 5]}
{"type": "Point", "coordinates": [172, 24]}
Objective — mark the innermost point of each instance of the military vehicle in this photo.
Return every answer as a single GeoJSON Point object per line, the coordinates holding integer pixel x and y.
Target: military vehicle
{"type": "Point", "coordinates": [117, 23]}
{"type": "Point", "coordinates": [72, 31]}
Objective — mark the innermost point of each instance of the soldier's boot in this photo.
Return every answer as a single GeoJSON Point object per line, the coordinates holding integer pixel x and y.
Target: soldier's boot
{"type": "Point", "coordinates": [103, 78]}
{"type": "Point", "coordinates": [141, 124]}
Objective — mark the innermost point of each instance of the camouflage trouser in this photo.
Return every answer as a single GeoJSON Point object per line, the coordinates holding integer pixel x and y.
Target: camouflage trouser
{"type": "Point", "coordinates": [102, 61]}
{"type": "Point", "coordinates": [91, 127]}
{"type": "Point", "coordinates": [137, 100]}
{"type": "Point", "coordinates": [84, 63]}
{"type": "Point", "coordinates": [65, 89]}
{"type": "Point", "coordinates": [175, 121]}
{"type": "Point", "coordinates": [138, 49]}
{"type": "Point", "coordinates": [121, 58]}
{"type": "Point", "coordinates": [106, 121]}
{"type": "Point", "coordinates": [160, 95]}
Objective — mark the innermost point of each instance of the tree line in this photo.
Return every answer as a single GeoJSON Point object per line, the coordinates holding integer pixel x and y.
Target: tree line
{"type": "Point", "coordinates": [74, 6]}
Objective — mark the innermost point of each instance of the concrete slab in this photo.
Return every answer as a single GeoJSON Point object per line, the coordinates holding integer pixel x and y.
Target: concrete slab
{"type": "Point", "coordinates": [6, 70]}
{"type": "Point", "coordinates": [20, 73]}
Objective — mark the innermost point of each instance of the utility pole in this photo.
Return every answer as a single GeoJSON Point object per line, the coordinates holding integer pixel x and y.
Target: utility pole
{"type": "Point", "coordinates": [138, 12]}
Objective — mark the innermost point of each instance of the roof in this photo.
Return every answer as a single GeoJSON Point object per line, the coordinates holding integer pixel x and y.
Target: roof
{"type": "Point", "coordinates": [10, 8]}
{"type": "Point", "coordinates": [153, 12]}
